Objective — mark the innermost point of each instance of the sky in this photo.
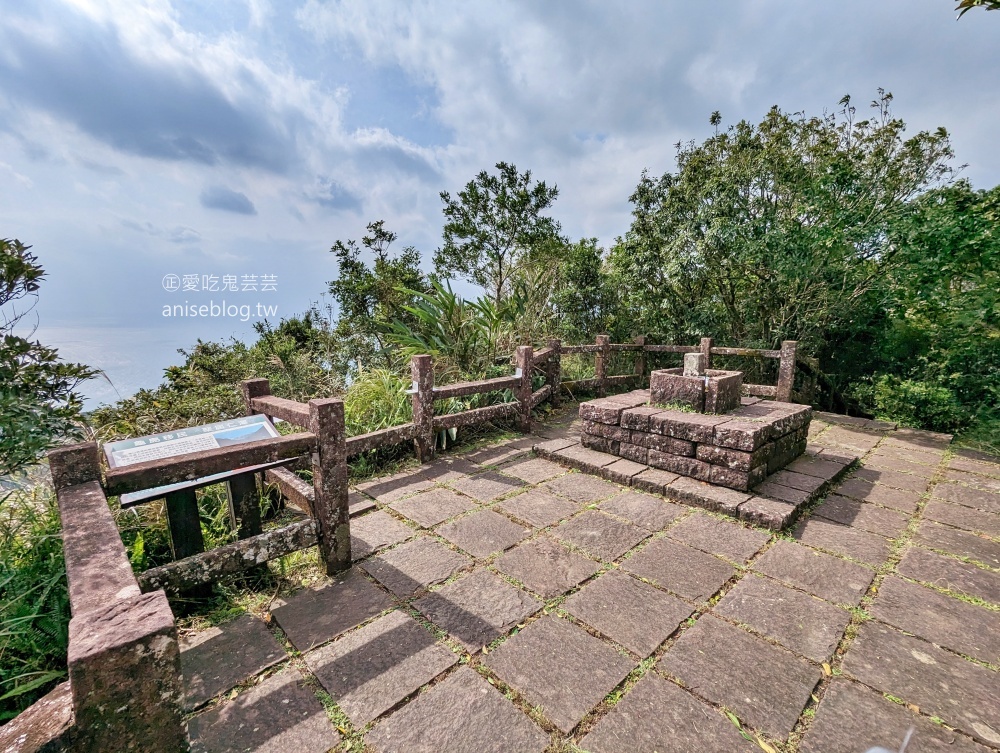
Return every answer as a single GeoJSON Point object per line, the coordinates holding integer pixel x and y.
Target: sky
{"type": "Point", "coordinates": [204, 155]}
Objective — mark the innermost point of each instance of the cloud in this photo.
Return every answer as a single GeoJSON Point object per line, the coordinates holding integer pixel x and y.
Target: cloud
{"type": "Point", "coordinates": [332, 195]}
{"type": "Point", "coordinates": [154, 90]}
{"type": "Point", "coordinates": [227, 200]}
{"type": "Point", "coordinates": [177, 234]}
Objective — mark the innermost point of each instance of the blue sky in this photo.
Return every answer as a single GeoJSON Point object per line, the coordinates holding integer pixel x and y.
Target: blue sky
{"type": "Point", "coordinates": [242, 138]}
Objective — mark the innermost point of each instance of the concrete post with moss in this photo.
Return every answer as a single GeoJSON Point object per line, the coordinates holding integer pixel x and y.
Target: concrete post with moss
{"type": "Point", "coordinates": [601, 364]}
{"type": "Point", "coordinates": [523, 363]}
{"type": "Point", "coordinates": [422, 395]}
{"type": "Point", "coordinates": [330, 506]}
{"type": "Point", "coordinates": [553, 371]}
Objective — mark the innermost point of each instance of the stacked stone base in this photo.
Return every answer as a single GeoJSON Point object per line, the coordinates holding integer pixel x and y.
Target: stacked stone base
{"type": "Point", "coordinates": [737, 450]}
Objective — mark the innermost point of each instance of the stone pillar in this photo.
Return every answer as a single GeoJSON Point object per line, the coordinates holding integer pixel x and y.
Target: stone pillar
{"type": "Point", "coordinates": [330, 509]}
{"type": "Point", "coordinates": [601, 364]}
{"type": "Point", "coordinates": [694, 364]}
{"type": "Point", "coordinates": [640, 360]}
{"type": "Point", "coordinates": [786, 370]}
{"type": "Point", "coordinates": [705, 348]}
{"type": "Point", "coordinates": [553, 372]}
{"type": "Point", "coordinates": [75, 464]}
{"type": "Point", "coordinates": [422, 395]}
{"type": "Point", "coordinates": [522, 362]}
{"type": "Point", "coordinates": [125, 678]}
{"type": "Point", "coordinates": [252, 388]}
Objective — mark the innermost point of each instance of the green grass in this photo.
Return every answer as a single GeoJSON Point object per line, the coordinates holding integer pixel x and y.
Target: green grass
{"type": "Point", "coordinates": [34, 602]}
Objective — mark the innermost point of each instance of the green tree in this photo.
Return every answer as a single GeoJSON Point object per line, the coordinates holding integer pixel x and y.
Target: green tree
{"type": "Point", "coordinates": [39, 405]}
{"type": "Point", "coordinates": [584, 299]}
{"type": "Point", "coordinates": [777, 230]}
{"type": "Point", "coordinates": [964, 6]}
{"type": "Point", "coordinates": [492, 225]}
{"type": "Point", "coordinates": [370, 298]}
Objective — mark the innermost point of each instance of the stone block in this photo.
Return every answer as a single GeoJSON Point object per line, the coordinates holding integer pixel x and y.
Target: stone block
{"type": "Point", "coordinates": [741, 434]}
{"type": "Point", "coordinates": [653, 480]}
{"type": "Point", "coordinates": [638, 418]}
{"type": "Point", "coordinates": [772, 514]}
{"type": "Point", "coordinates": [622, 471]}
{"type": "Point", "coordinates": [722, 391]}
{"type": "Point", "coordinates": [605, 410]}
{"type": "Point", "coordinates": [632, 452]}
{"type": "Point", "coordinates": [722, 476]}
{"type": "Point", "coordinates": [598, 444]}
{"type": "Point", "coordinates": [662, 443]}
{"type": "Point", "coordinates": [694, 427]}
{"type": "Point", "coordinates": [677, 464]}
{"type": "Point", "coordinates": [608, 431]}
{"type": "Point", "coordinates": [738, 460]}
{"type": "Point", "coordinates": [671, 387]}
{"type": "Point", "coordinates": [713, 498]}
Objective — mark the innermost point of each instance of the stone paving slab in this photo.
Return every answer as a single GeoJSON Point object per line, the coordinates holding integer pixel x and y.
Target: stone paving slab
{"type": "Point", "coordinates": [643, 510]}
{"type": "Point", "coordinates": [951, 574]}
{"type": "Point", "coordinates": [461, 714]}
{"type": "Point", "coordinates": [445, 469]}
{"type": "Point", "coordinates": [853, 718]}
{"type": "Point", "coordinates": [802, 481]}
{"type": "Point", "coordinates": [981, 465]}
{"type": "Point", "coordinates": [279, 715]}
{"type": "Point", "coordinates": [581, 458]}
{"type": "Point", "coordinates": [656, 715]}
{"type": "Point", "coordinates": [986, 483]}
{"type": "Point", "coordinates": [940, 683]}
{"type": "Point", "coordinates": [869, 548]}
{"type": "Point", "coordinates": [895, 479]}
{"type": "Point", "coordinates": [433, 506]}
{"type": "Point", "coordinates": [820, 574]}
{"type": "Point", "coordinates": [477, 608]}
{"type": "Point", "coordinates": [867, 517]}
{"type": "Point", "coordinates": [920, 438]}
{"type": "Point", "coordinates": [600, 535]}
{"type": "Point", "coordinates": [358, 503]}
{"type": "Point", "coordinates": [891, 463]}
{"type": "Point", "coordinates": [968, 496]}
{"type": "Point", "coordinates": [815, 466]}
{"type": "Point", "coordinates": [867, 491]}
{"type": "Point", "coordinates": [415, 565]}
{"type": "Point", "coordinates": [495, 455]}
{"type": "Point", "coordinates": [546, 567]}
{"type": "Point", "coordinates": [700, 494]}
{"type": "Point", "coordinates": [484, 532]}
{"type": "Point", "coordinates": [539, 508]}
{"type": "Point", "coordinates": [767, 687]}
{"type": "Point", "coordinates": [217, 659]}
{"type": "Point", "coordinates": [389, 489]}
{"type": "Point", "coordinates": [729, 540]}
{"type": "Point", "coordinates": [841, 436]}
{"type": "Point", "coordinates": [966, 518]}
{"type": "Point", "coordinates": [622, 471]}
{"type": "Point", "coordinates": [314, 616]}
{"type": "Point", "coordinates": [804, 624]}
{"type": "Point", "coordinates": [532, 470]}
{"type": "Point", "coordinates": [560, 667]}
{"type": "Point", "coordinates": [581, 487]}
{"type": "Point", "coordinates": [679, 568]}
{"type": "Point", "coordinates": [488, 486]}
{"type": "Point", "coordinates": [783, 493]}
{"type": "Point", "coordinates": [375, 531]}
{"type": "Point", "coordinates": [943, 620]}
{"type": "Point", "coordinates": [772, 514]}
{"type": "Point", "coordinates": [908, 454]}
{"type": "Point", "coordinates": [372, 669]}
{"type": "Point", "coordinates": [960, 543]}
{"type": "Point", "coordinates": [628, 611]}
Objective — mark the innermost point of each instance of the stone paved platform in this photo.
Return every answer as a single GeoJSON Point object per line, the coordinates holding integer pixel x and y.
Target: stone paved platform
{"type": "Point", "coordinates": [502, 602]}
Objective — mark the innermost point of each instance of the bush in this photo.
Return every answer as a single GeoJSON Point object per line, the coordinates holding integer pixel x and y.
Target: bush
{"type": "Point", "coordinates": [920, 405]}
{"type": "Point", "coordinates": [34, 601]}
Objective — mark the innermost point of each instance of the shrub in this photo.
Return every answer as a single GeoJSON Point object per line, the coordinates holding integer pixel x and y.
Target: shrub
{"type": "Point", "coordinates": [921, 405]}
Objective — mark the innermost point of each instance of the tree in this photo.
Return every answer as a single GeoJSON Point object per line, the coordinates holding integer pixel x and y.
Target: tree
{"type": "Point", "coordinates": [495, 221]}
{"type": "Point", "coordinates": [584, 298]}
{"type": "Point", "coordinates": [369, 299]}
{"type": "Point", "coordinates": [38, 403]}
{"type": "Point", "coordinates": [777, 230]}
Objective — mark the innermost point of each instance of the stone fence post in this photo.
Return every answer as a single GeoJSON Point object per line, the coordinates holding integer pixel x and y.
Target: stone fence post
{"type": "Point", "coordinates": [553, 371]}
{"type": "Point", "coordinates": [705, 348]}
{"type": "Point", "coordinates": [601, 364]}
{"type": "Point", "coordinates": [329, 461]}
{"type": "Point", "coordinates": [640, 360]}
{"type": "Point", "coordinates": [786, 371]}
{"type": "Point", "coordinates": [422, 395]}
{"type": "Point", "coordinates": [523, 364]}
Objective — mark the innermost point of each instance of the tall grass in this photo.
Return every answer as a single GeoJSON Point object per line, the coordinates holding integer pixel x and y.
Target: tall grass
{"type": "Point", "coordinates": [34, 601]}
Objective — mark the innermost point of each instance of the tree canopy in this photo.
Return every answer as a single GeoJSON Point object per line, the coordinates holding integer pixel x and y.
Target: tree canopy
{"type": "Point", "coordinates": [493, 223]}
